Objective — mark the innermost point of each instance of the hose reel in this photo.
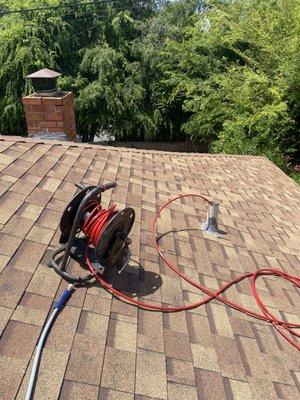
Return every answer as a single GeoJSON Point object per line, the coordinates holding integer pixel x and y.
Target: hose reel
{"type": "Point", "coordinates": [85, 222]}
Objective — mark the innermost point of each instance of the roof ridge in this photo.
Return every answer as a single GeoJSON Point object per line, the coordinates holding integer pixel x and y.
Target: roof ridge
{"type": "Point", "coordinates": [24, 139]}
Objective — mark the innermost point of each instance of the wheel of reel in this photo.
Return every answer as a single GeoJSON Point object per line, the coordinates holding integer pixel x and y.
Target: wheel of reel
{"type": "Point", "coordinates": [122, 222]}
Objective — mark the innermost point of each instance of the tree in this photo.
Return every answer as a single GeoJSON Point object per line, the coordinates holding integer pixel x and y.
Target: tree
{"type": "Point", "coordinates": [235, 73]}
{"type": "Point", "coordinates": [118, 80]}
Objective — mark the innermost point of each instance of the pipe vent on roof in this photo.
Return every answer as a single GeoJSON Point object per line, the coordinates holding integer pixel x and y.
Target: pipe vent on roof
{"type": "Point", "coordinates": [211, 223]}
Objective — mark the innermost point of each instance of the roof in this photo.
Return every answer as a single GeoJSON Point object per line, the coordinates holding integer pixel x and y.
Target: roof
{"type": "Point", "coordinates": [44, 73]}
{"type": "Point", "coordinates": [103, 348]}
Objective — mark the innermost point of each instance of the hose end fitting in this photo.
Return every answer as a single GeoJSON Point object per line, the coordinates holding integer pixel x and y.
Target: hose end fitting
{"type": "Point", "coordinates": [66, 294]}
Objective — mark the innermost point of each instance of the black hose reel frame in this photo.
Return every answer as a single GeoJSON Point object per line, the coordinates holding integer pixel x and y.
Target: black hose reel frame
{"type": "Point", "coordinates": [112, 248]}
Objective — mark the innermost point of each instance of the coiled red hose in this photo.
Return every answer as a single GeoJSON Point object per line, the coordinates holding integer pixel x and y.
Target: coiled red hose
{"type": "Point", "coordinates": [93, 227]}
{"type": "Point", "coordinates": [97, 220]}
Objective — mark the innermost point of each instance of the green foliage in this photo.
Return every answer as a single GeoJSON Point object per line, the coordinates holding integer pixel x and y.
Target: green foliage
{"type": "Point", "coordinates": [111, 96]}
{"type": "Point", "coordinates": [236, 73]}
{"type": "Point", "coordinates": [226, 72]}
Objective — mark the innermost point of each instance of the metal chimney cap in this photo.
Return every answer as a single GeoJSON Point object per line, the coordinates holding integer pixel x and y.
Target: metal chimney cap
{"type": "Point", "coordinates": [44, 73]}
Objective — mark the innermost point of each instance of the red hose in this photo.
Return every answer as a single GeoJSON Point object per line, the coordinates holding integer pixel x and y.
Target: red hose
{"type": "Point", "coordinates": [93, 227]}
{"type": "Point", "coordinates": [96, 221]}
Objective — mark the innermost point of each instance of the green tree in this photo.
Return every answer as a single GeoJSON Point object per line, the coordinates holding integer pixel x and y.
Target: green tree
{"type": "Point", "coordinates": [236, 74]}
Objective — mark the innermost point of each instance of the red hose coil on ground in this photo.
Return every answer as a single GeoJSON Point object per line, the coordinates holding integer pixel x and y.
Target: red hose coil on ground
{"type": "Point", "coordinates": [97, 220]}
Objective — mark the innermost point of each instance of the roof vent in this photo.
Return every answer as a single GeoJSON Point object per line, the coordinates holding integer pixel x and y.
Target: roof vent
{"type": "Point", "coordinates": [44, 82]}
{"type": "Point", "coordinates": [211, 223]}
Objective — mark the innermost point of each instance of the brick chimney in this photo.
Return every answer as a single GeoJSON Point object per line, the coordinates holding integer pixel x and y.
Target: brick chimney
{"type": "Point", "coordinates": [49, 112]}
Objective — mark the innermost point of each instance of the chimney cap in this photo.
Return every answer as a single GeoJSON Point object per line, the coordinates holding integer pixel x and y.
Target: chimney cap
{"type": "Point", "coordinates": [44, 73]}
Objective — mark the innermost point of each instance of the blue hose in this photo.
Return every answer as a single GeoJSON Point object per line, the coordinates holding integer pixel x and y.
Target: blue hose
{"type": "Point", "coordinates": [39, 348]}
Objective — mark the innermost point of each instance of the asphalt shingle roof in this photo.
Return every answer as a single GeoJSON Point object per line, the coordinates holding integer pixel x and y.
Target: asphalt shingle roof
{"type": "Point", "coordinates": [101, 348]}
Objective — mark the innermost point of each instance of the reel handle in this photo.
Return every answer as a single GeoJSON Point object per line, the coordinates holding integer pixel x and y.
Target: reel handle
{"type": "Point", "coordinates": [80, 186]}
{"type": "Point", "coordinates": [108, 186]}
{"type": "Point", "coordinates": [102, 188]}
